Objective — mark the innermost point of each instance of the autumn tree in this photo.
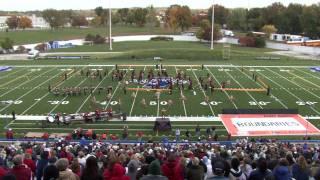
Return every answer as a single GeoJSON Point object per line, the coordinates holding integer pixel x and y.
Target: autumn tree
{"type": "Point", "coordinates": [151, 17]}
{"type": "Point", "coordinates": [25, 22]}
{"type": "Point", "coordinates": [178, 17]}
{"type": "Point", "coordinates": [205, 31]}
{"type": "Point", "coordinates": [269, 29]}
{"type": "Point", "coordinates": [54, 18]}
{"type": "Point", "coordinates": [220, 14]}
{"type": "Point", "coordinates": [12, 22]}
{"type": "Point", "coordinates": [102, 14]}
{"type": "Point", "coordinates": [78, 21]}
{"type": "Point", "coordinates": [123, 14]}
{"type": "Point", "coordinates": [140, 16]}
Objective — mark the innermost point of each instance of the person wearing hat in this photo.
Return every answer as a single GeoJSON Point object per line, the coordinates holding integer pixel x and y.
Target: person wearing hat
{"type": "Point", "coordinates": [218, 169]}
{"type": "Point", "coordinates": [154, 172]}
{"type": "Point", "coordinates": [195, 171]}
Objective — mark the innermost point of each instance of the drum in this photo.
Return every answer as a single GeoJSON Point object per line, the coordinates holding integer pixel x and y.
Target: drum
{"type": "Point", "coordinates": [50, 119]}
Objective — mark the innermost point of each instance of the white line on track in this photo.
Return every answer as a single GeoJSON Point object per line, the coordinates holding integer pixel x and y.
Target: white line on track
{"type": "Point", "coordinates": [220, 85]}
{"type": "Point", "coordinates": [201, 89]}
{"type": "Point", "coordinates": [134, 100]}
{"type": "Point", "coordinates": [280, 102]}
{"type": "Point", "coordinates": [114, 92]}
{"type": "Point", "coordinates": [183, 102]}
{"type": "Point", "coordinates": [84, 102]}
{"type": "Point", "coordinates": [244, 88]}
{"type": "Point", "coordinates": [46, 93]}
{"type": "Point", "coordinates": [26, 82]}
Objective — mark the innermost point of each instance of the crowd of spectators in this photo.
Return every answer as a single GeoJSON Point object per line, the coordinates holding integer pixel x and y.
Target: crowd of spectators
{"type": "Point", "coordinates": [94, 160]}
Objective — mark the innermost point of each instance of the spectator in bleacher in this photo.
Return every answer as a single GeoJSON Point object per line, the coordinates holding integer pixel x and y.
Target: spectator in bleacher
{"type": "Point", "coordinates": [218, 169]}
{"type": "Point", "coordinates": [300, 170]}
{"type": "Point", "coordinates": [281, 172]}
{"type": "Point", "coordinates": [29, 162]}
{"type": "Point", "coordinates": [246, 167]}
{"type": "Point", "coordinates": [154, 172]}
{"type": "Point", "coordinates": [133, 166]}
{"type": "Point", "coordinates": [195, 171]}
{"type": "Point", "coordinates": [50, 172]}
{"type": "Point", "coordinates": [262, 172]}
{"type": "Point", "coordinates": [20, 170]}
{"type": "Point", "coordinates": [65, 173]}
{"type": "Point", "coordinates": [235, 171]}
{"type": "Point", "coordinates": [41, 164]}
{"type": "Point", "coordinates": [91, 170]}
{"type": "Point", "coordinates": [172, 169]}
{"type": "Point", "coordinates": [75, 167]}
{"type": "Point", "coordinates": [115, 171]}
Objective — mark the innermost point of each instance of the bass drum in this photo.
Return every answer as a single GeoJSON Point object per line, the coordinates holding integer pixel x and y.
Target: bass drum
{"type": "Point", "coordinates": [50, 119]}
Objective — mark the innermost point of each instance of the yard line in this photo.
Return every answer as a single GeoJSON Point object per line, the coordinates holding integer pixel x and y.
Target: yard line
{"type": "Point", "coordinates": [295, 84]}
{"type": "Point", "coordinates": [11, 74]}
{"type": "Point", "coordinates": [28, 92]}
{"type": "Point", "coordinates": [84, 102]}
{"type": "Point", "coordinates": [114, 92]}
{"type": "Point", "coordinates": [202, 89]}
{"type": "Point", "coordinates": [183, 103]}
{"type": "Point", "coordinates": [134, 100]}
{"type": "Point", "coordinates": [310, 74]}
{"type": "Point", "coordinates": [287, 91]}
{"type": "Point", "coordinates": [220, 85]}
{"type": "Point", "coordinates": [304, 80]}
{"type": "Point", "coordinates": [25, 82]}
{"type": "Point", "coordinates": [285, 106]}
{"type": "Point", "coordinates": [45, 94]}
{"type": "Point", "coordinates": [243, 88]}
{"type": "Point", "coordinates": [15, 79]}
{"type": "Point", "coordinates": [55, 107]}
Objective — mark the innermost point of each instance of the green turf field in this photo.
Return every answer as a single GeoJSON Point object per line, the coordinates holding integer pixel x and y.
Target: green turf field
{"type": "Point", "coordinates": [25, 88]}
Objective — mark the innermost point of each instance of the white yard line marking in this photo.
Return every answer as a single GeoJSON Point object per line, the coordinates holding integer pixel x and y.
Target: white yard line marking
{"type": "Point", "coordinates": [19, 77]}
{"type": "Point", "coordinates": [134, 100]}
{"type": "Point", "coordinates": [310, 74]}
{"type": "Point", "coordinates": [244, 88]}
{"type": "Point", "coordinates": [289, 92]}
{"type": "Point", "coordinates": [178, 65]}
{"type": "Point", "coordinates": [30, 80]}
{"type": "Point", "coordinates": [114, 92]}
{"type": "Point", "coordinates": [304, 79]}
{"type": "Point", "coordinates": [11, 73]}
{"type": "Point", "coordinates": [46, 93]}
{"type": "Point", "coordinates": [183, 102]}
{"type": "Point", "coordinates": [55, 107]}
{"type": "Point", "coordinates": [85, 101]}
{"type": "Point", "coordinates": [280, 102]}
{"type": "Point", "coordinates": [295, 84]}
{"type": "Point", "coordinates": [220, 85]}
{"type": "Point", "coordinates": [202, 89]}
{"type": "Point", "coordinates": [28, 92]}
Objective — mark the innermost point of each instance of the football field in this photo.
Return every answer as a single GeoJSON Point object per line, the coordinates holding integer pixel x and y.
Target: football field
{"type": "Point", "coordinates": [25, 90]}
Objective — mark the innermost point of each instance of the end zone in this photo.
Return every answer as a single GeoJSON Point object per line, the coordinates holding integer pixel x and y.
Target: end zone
{"type": "Point", "coordinates": [268, 125]}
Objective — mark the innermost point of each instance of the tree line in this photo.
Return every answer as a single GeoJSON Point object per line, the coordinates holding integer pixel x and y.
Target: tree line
{"type": "Point", "coordinates": [291, 19]}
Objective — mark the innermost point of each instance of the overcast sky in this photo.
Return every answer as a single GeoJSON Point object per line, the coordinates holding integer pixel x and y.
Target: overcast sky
{"type": "Point", "coordinates": [22, 5]}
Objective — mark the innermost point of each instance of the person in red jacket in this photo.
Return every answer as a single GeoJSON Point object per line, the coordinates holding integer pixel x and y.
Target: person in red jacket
{"type": "Point", "coordinates": [29, 162]}
{"type": "Point", "coordinates": [172, 169]}
{"type": "Point", "coordinates": [9, 134]}
{"type": "Point", "coordinates": [115, 172]}
{"type": "Point", "coordinates": [19, 170]}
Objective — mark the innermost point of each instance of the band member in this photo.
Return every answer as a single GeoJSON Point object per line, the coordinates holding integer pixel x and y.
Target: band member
{"type": "Point", "coordinates": [170, 102]}
{"type": "Point", "coordinates": [124, 90]}
{"type": "Point", "coordinates": [157, 95]}
{"type": "Point", "coordinates": [206, 99]}
{"type": "Point", "coordinates": [133, 95]}
{"type": "Point", "coordinates": [183, 97]}
{"type": "Point", "coordinates": [231, 98]}
{"type": "Point", "coordinates": [49, 88]}
{"type": "Point", "coordinates": [163, 113]}
{"type": "Point", "coordinates": [143, 102]}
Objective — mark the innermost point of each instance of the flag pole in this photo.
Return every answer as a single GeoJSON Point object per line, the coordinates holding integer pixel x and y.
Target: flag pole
{"type": "Point", "coordinates": [212, 25]}
{"type": "Point", "coordinates": [110, 27]}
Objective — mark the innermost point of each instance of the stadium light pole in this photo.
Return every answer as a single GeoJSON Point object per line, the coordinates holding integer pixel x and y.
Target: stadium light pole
{"type": "Point", "coordinates": [110, 27]}
{"type": "Point", "coordinates": [212, 25]}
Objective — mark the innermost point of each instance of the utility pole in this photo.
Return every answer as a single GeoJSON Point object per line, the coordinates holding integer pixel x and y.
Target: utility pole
{"type": "Point", "coordinates": [212, 25]}
{"type": "Point", "coordinates": [110, 25]}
